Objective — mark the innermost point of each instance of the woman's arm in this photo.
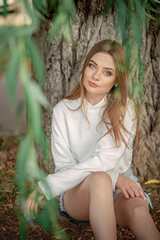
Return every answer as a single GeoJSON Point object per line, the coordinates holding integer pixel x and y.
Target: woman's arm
{"type": "Point", "coordinates": [69, 174]}
{"type": "Point", "coordinates": [104, 159]}
{"type": "Point", "coordinates": [128, 187]}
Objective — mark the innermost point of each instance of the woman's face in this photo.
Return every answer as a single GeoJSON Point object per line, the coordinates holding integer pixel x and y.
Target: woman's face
{"type": "Point", "coordinates": [99, 76]}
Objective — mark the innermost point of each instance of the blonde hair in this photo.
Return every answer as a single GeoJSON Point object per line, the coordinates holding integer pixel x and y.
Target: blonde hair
{"type": "Point", "coordinates": [116, 104]}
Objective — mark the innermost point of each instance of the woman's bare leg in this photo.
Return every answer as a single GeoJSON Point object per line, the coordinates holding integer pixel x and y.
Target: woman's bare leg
{"type": "Point", "coordinates": [93, 200]}
{"type": "Point", "coordinates": [134, 214]}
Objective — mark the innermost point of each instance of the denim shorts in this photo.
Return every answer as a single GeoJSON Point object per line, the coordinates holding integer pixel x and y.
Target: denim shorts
{"type": "Point", "coordinates": [128, 174]}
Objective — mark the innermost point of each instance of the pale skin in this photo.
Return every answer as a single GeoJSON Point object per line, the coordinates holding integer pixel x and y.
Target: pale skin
{"type": "Point", "coordinates": [92, 199]}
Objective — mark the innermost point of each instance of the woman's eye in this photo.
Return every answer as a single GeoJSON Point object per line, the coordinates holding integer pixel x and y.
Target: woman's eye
{"type": "Point", "coordinates": [107, 73]}
{"type": "Point", "coordinates": [91, 65]}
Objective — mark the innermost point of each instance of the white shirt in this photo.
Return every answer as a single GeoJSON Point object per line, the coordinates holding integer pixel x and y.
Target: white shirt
{"type": "Point", "coordinates": [78, 150]}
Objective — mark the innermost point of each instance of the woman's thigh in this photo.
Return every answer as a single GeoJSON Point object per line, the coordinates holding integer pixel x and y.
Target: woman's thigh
{"type": "Point", "coordinates": [126, 209]}
{"type": "Point", "coordinates": [77, 200]}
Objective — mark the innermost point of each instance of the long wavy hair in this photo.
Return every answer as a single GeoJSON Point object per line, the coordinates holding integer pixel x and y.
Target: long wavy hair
{"type": "Point", "coordinates": [116, 104]}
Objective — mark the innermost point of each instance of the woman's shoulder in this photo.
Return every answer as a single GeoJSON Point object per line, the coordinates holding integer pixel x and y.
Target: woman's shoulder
{"type": "Point", "coordinates": [66, 104]}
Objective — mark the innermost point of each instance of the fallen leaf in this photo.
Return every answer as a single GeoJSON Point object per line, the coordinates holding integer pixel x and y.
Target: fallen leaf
{"type": "Point", "coordinates": [152, 181]}
{"type": "Point", "coordinates": [2, 166]}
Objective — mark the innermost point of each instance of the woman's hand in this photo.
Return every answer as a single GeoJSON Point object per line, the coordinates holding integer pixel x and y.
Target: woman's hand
{"type": "Point", "coordinates": [129, 188]}
{"type": "Point", "coordinates": [33, 201]}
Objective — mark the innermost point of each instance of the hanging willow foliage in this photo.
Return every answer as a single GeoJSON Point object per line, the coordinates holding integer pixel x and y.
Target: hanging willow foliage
{"type": "Point", "coordinates": [18, 22]}
{"type": "Point", "coordinates": [131, 22]}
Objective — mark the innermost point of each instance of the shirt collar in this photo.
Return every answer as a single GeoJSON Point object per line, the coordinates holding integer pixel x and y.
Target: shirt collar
{"type": "Point", "coordinates": [97, 105]}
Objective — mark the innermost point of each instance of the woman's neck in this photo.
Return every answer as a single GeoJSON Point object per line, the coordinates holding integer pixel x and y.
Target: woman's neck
{"type": "Point", "coordinates": [93, 99]}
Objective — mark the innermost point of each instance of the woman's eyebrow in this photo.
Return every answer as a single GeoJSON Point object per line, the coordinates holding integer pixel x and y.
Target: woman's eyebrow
{"type": "Point", "coordinates": [104, 67]}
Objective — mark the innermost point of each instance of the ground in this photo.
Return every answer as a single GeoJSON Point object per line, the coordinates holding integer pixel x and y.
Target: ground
{"type": "Point", "coordinates": [9, 220]}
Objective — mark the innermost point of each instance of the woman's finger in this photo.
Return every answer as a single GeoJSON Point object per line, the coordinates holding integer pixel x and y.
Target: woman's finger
{"type": "Point", "coordinates": [28, 206]}
{"type": "Point", "coordinates": [136, 192]}
{"type": "Point", "coordinates": [139, 192]}
{"type": "Point", "coordinates": [142, 194]}
{"type": "Point", "coordinates": [33, 208]}
{"type": "Point", "coordinates": [36, 208]}
{"type": "Point", "coordinates": [130, 192]}
{"type": "Point", "coordinates": [125, 193]}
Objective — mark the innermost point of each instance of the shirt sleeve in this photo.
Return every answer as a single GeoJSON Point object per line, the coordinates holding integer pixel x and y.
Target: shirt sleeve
{"type": "Point", "coordinates": [69, 173]}
{"type": "Point", "coordinates": [60, 148]}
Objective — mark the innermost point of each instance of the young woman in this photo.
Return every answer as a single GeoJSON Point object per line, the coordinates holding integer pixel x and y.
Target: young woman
{"type": "Point", "coordinates": [93, 130]}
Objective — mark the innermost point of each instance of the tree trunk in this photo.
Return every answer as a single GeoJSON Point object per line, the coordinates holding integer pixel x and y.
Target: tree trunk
{"type": "Point", "coordinates": [63, 64]}
{"type": "Point", "coordinates": [146, 161]}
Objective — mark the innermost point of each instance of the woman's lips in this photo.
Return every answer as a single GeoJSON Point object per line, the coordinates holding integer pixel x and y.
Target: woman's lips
{"type": "Point", "coordinates": [93, 84]}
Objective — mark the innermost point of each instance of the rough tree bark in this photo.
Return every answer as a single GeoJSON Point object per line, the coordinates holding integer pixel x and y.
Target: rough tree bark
{"type": "Point", "coordinates": [63, 64]}
{"type": "Point", "coordinates": [146, 161]}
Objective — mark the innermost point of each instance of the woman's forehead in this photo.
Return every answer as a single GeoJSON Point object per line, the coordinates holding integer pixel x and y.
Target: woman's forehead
{"type": "Point", "coordinates": [103, 59]}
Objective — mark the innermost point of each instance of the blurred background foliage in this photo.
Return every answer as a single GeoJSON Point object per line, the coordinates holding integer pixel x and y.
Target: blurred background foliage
{"type": "Point", "coordinates": [21, 59]}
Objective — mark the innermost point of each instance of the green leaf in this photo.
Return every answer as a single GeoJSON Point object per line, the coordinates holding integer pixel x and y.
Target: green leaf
{"type": "Point", "coordinates": [23, 156]}
{"type": "Point", "coordinates": [20, 108]}
{"type": "Point", "coordinates": [122, 19]}
{"type": "Point", "coordinates": [40, 16]}
{"type": "Point", "coordinates": [136, 29]}
{"type": "Point", "coordinates": [23, 228]}
{"type": "Point", "coordinates": [58, 21]}
{"type": "Point", "coordinates": [63, 16]}
{"type": "Point", "coordinates": [34, 115]}
{"type": "Point", "coordinates": [48, 219]}
{"type": "Point", "coordinates": [44, 220]}
{"type": "Point", "coordinates": [140, 11]}
{"type": "Point", "coordinates": [4, 8]}
{"type": "Point", "coordinates": [28, 30]}
{"type": "Point", "coordinates": [35, 98]}
{"type": "Point", "coordinates": [67, 32]}
{"type": "Point", "coordinates": [141, 69]}
{"type": "Point", "coordinates": [12, 74]}
{"type": "Point", "coordinates": [36, 60]}
{"type": "Point", "coordinates": [41, 7]}
{"type": "Point", "coordinates": [32, 169]}
{"type": "Point", "coordinates": [69, 7]}
{"type": "Point", "coordinates": [43, 142]}
{"type": "Point", "coordinates": [37, 94]}
{"type": "Point", "coordinates": [128, 47]}
{"type": "Point", "coordinates": [148, 15]}
{"type": "Point", "coordinates": [4, 53]}
{"type": "Point", "coordinates": [151, 8]}
{"type": "Point", "coordinates": [107, 6]}
{"type": "Point", "coordinates": [157, 1]}
{"type": "Point", "coordinates": [27, 166]}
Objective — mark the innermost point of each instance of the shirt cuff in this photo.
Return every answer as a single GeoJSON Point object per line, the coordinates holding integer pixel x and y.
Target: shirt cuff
{"type": "Point", "coordinates": [47, 190]}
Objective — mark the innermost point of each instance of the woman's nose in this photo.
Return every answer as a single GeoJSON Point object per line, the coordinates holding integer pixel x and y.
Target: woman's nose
{"type": "Point", "coordinates": [96, 75]}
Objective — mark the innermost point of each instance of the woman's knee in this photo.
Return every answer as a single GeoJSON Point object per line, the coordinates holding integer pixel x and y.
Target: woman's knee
{"type": "Point", "coordinates": [135, 212]}
{"type": "Point", "coordinates": [99, 180]}
{"type": "Point", "coordinates": [139, 211]}
{"type": "Point", "coordinates": [129, 210]}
